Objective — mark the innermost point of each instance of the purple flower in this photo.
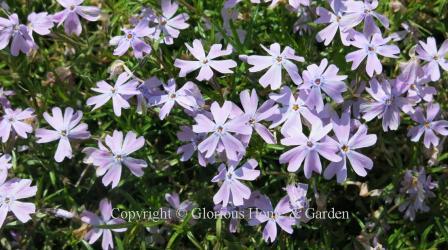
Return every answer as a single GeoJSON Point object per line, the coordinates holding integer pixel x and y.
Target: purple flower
{"type": "Point", "coordinates": [41, 23]}
{"type": "Point", "coordinates": [371, 48]}
{"type": "Point", "coordinates": [292, 110]}
{"type": "Point", "coordinates": [320, 78]}
{"type": "Point", "coordinates": [416, 186]}
{"type": "Point", "coordinates": [357, 11]}
{"type": "Point", "coordinates": [66, 127]}
{"type": "Point", "coordinates": [4, 94]}
{"type": "Point", "coordinates": [21, 39]}
{"type": "Point", "coordinates": [70, 18]}
{"type": "Point", "coordinates": [132, 38]}
{"type": "Point", "coordinates": [347, 145]}
{"type": "Point", "coordinates": [416, 82]}
{"type": "Point", "coordinates": [205, 63]}
{"type": "Point", "coordinates": [427, 125]}
{"type": "Point", "coordinates": [5, 164]}
{"type": "Point", "coordinates": [174, 201]}
{"type": "Point", "coordinates": [10, 193]}
{"type": "Point", "coordinates": [256, 115]}
{"type": "Point", "coordinates": [109, 160]}
{"type": "Point", "coordinates": [272, 217]}
{"type": "Point", "coordinates": [275, 61]}
{"type": "Point", "coordinates": [309, 149]}
{"type": "Point", "coordinates": [428, 52]}
{"type": "Point", "coordinates": [106, 219]}
{"type": "Point", "coordinates": [386, 104]}
{"type": "Point", "coordinates": [334, 19]}
{"type": "Point", "coordinates": [189, 97]}
{"type": "Point", "coordinates": [296, 196]}
{"type": "Point", "coordinates": [192, 141]}
{"type": "Point", "coordinates": [232, 190]}
{"type": "Point", "coordinates": [168, 25]}
{"type": "Point", "coordinates": [16, 120]}
{"type": "Point", "coordinates": [221, 131]}
{"type": "Point", "coordinates": [120, 92]}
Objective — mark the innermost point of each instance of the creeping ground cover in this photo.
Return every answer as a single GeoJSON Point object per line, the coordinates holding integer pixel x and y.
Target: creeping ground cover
{"type": "Point", "coordinates": [223, 124]}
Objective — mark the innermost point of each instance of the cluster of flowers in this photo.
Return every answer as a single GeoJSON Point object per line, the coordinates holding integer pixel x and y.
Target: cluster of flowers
{"type": "Point", "coordinates": [304, 113]}
{"type": "Point", "coordinates": [42, 23]}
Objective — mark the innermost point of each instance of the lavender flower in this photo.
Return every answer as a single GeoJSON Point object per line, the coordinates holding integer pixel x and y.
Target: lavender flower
{"type": "Point", "coordinates": [133, 38]}
{"type": "Point", "coordinates": [266, 110]}
{"type": "Point", "coordinates": [178, 208]}
{"type": "Point", "coordinates": [358, 11]}
{"type": "Point", "coordinates": [5, 164]}
{"type": "Point", "coordinates": [168, 24]}
{"type": "Point", "coordinates": [15, 120]}
{"type": "Point", "coordinates": [296, 196]}
{"type": "Point", "coordinates": [70, 18]}
{"type": "Point", "coordinates": [416, 186]}
{"type": "Point", "coordinates": [320, 78]}
{"type": "Point", "coordinates": [221, 131]}
{"type": "Point", "coordinates": [427, 125]}
{"type": "Point", "coordinates": [21, 39]}
{"type": "Point", "coordinates": [192, 141]}
{"type": "Point", "coordinates": [10, 193]}
{"type": "Point", "coordinates": [428, 52]}
{"type": "Point", "coordinates": [334, 19]}
{"type": "Point", "coordinates": [272, 217]}
{"type": "Point", "coordinates": [292, 110]}
{"type": "Point", "coordinates": [371, 48]}
{"type": "Point", "coordinates": [347, 145]}
{"type": "Point", "coordinates": [189, 97]}
{"type": "Point", "coordinates": [309, 149]}
{"type": "Point", "coordinates": [205, 63]}
{"type": "Point", "coordinates": [120, 92]}
{"type": "Point", "coordinates": [106, 219]}
{"type": "Point", "coordinates": [41, 23]}
{"type": "Point", "coordinates": [275, 61]}
{"type": "Point", "coordinates": [109, 160]}
{"type": "Point", "coordinates": [66, 128]}
{"type": "Point", "coordinates": [386, 104]}
{"type": "Point", "coordinates": [232, 190]}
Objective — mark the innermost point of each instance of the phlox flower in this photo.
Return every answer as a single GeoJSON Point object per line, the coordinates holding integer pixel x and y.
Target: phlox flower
{"type": "Point", "coordinates": [275, 61]}
{"type": "Point", "coordinates": [124, 88]}
{"type": "Point", "coordinates": [272, 217]}
{"type": "Point", "coordinates": [5, 164]}
{"type": "Point", "coordinates": [296, 196]}
{"type": "Point", "coordinates": [416, 187]}
{"type": "Point", "coordinates": [334, 20]}
{"type": "Point", "coordinates": [292, 110]}
{"type": "Point", "coordinates": [14, 120]}
{"type": "Point", "coordinates": [428, 126]}
{"type": "Point", "coordinates": [177, 208]}
{"type": "Point", "coordinates": [169, 25]}
{"type": "Point", "coordinates": [232, 190]}
{"type": "Point", "coordinates": [192, 141]}
{"type": "Point", "coordinates": [308, 149]}
{"type": "Point", "coordinates": [105, 219]}
{"type": "Point", "coordinates": [20, 34]}
{"type": "Point", "coordinates": [371, 48]}
{"type": "Point", "coordinates": [320, 78]}
{"type": "Point", "coordinates": [428, 52]}
{"type": "Point", "coordinates": [386, 104]}
{"type": "Point", "coordinates": [70, 16]}
{"type": "Point", "coordinates": [221, 130]}
{"type": "Point", "coordinates": [41, 23]}
{"type": "Point", "coordinates": [206, 62]}
{"type": "Point", "coordinates": [10, 193]}
{"type": "Point", "coordinates": [348, 144]}
{"type": "Point", "coordinates": [188, 96]}
{"type": "Point", "coordinates": [4, 94]}
{"type": "Point", "coordinates": [357, 11]}
{"type": "Point", "coordinates": [66, 127]}
{"type": "Point", "coordinates": [249, 101]}
{"type": "Point", "coordinates": [109, 160]}
{"type": "Point", "coordinates": [133, 38]}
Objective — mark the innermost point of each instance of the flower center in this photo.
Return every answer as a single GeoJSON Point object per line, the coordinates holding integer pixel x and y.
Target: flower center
{"type": "Point", "coordinates": [273, 216]}
{"type": "Point", "coordinates": [338, 18]}
{"type": "Point", "coordinates": [118, 158]}
{"type": "Point", "coordinates": [309, 144]}
{"type": "Point", "coordinates": [317, 81]}
{"type": "Point", "coordinates": [413, 86]}
{"type": "Point", "coordinates": [295, 107]}
{"type": "Point", "coordinates": [11, 119]}
{"type": "Point", "coordinates": [220, 129]}
{"type": "Point", "coordinates": [63, 132]}
{"type": "Point", "coordinates": [129, 36]}
{"type": "Point", "coordinates": [229, 175]}
{"type": "Point", "coordinates": [388, 102]}
{"type": "Point", "coordinates": [427, 124]}
{"type": "Point", "coordinates": [205, 61]}
{"type": "Point", "coordinates": [279, 59]}
{"type": "Point", "coordinates": [162, 21]}
{"type": "Point", "coordinates": [113, 90]}
{"type": "Point", "coordinates": [173, 95]}
{"type": "Point", "coordinates": [371, 49]}
{"type": "Point", "coordinates": [7, 200]}
{"type": "Point", "coordinates": [345, 148]}
{"type": "Point", "coordinates": [367, 11]}
{"type": "Point", "coordinates": [252, 121]}
{"type": "Point", "coordinates": [72, 8]}
{"type": "Point", "coordinates": [436, 57]}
